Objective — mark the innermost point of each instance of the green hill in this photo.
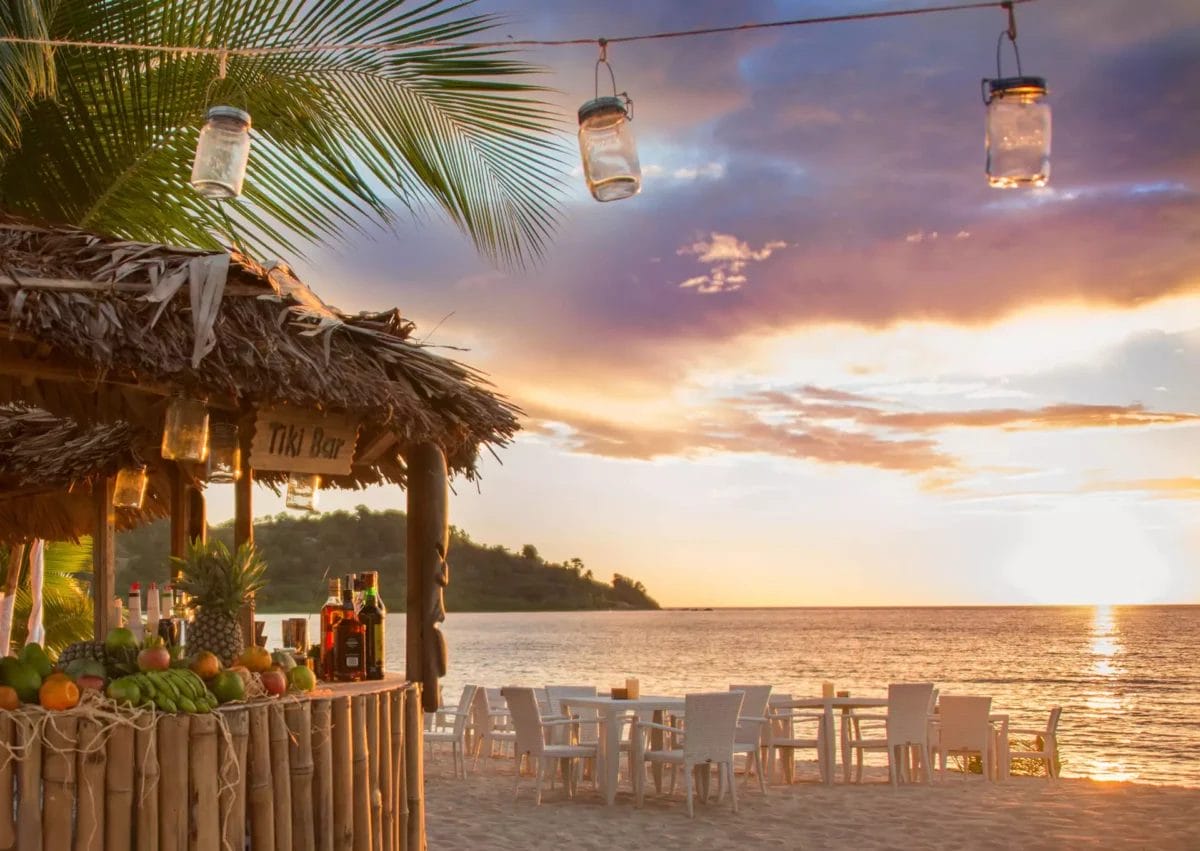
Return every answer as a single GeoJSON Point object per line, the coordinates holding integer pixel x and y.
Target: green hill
{"type": "Point", "coordinates": [303, 551]}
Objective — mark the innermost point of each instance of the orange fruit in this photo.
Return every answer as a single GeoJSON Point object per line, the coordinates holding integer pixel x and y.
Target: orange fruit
{"type": "Point", "coordinates": [9, 698]}
{"type": "Point", "coordinates": [256, 660]}
{"type": "Point", "coordinates": [58, 692]}
{"type": "Point", "coordinates": [206, 665]}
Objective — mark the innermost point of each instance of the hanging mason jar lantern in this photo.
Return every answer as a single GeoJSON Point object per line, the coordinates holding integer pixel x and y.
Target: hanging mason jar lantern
{"type": "Point", "coordinates": [222, 153]}
{"type": "Point", "coordinates": [130, 487]}
{"type": "Point", "coordinates": [606, 143]}
{"type": "Point", "coordinates": [224, 453]}
{"type": "Point", "coordinates": [1018, 122]}
{"type": "Point", "coordinates": [302, 491]}
{"type": "Point", "coordinates": [185, 431]}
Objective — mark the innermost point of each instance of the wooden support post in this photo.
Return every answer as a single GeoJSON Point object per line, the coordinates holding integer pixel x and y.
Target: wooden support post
{"type": "Point", "coordinates": [29, 783]}
{"type": "Point", "coordinates": [103, 556]}
{"type": "Point", "coordinates": [243, 516]}
{"type": "Point", "coordinates": [58, 781]}
{"type": "Point", "coordinates": [322, 747]}
{"type": "Point", "coordinates": [260, 798]}
{"type": "Point", "coordinates": [197, 516]}
{"type": "Point", "coordinates": [386, 801]}
{"type": "Point", "coordinates": [145, 786]}
{"type": "Point", "coordinates": [179, 510]}
{"type": "Point", "coordinates": [204, 815]}
{"type": "Point", "coordinates": [281, 780]}
{"type": "Point", "coordinates": [362, 788]}
{"type": "Point", "coordinates": [414, 768]}
{"type": "Point", "coordinates": [298, 715]}
{"type": "Point", "coordinates": [343, 778]}
{"type": "Point", "coordinates": [233, 780]}
{"type": "Point", "coordinates": [8, 826]}
{"type": "Point", "coordinates": [399, 781]}
{"type": "Point", "coordinates": [89, 823]}
{"type": "Point", "coordinates": [375, 799]}
{"type": "Point", "coordinates": [173, 782]}
{"type": "Point", "coordinates": [119, 788]}
{"type": "Point", "coordinates": [427, 571]}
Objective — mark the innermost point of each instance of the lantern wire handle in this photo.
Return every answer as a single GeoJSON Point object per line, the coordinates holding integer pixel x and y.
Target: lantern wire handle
{"type": "Point", "coordinates": [603, 60]}
{"type": "Point", "coordinates": [1011, 35]}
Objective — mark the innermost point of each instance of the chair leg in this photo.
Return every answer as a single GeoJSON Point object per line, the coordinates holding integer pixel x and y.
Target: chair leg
{"type": "Point", "coordinates": [539, 769]}
{"type": "Point", "coordinates": [517, 779]}
{"type": "Point", "coordinates": [687, 786]}
{"type": "Point", "coordinates": [728, 766]}
{"type": "Point", "coordinates": [762, 781]}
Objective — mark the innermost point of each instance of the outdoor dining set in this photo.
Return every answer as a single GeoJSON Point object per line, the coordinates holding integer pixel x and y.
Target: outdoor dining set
{"type": "Point", "coordinates": [747, 729]}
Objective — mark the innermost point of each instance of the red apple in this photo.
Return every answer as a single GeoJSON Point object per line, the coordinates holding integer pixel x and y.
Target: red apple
{"type": "Point", "coordinates": [154, 659]}
{"type": "Point", "coordinates": [89, 681]}
{"type": "Point", "coordinates": [275, 682]}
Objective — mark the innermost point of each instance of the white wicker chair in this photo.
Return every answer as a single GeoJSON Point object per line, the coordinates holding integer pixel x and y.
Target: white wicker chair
{"type": "Point", "coordinates": [491, 724]}
{"type": "Point", "coordinates": [455, 734]}
{"type": "Point", "coordinates": [906, 728]}
{"type": "Point", "coordinates": [783, 741]}
{"type": "Point", "coordinates": [531, 743]}
{"type": "Point", "coordinates": [753, 731]}
{"type": "Point", "coordinates": [963, 728]}
{"type": "Point", "coordinates": [706, 739]}
{"type": "Point", "coordinates": [1048, 752]}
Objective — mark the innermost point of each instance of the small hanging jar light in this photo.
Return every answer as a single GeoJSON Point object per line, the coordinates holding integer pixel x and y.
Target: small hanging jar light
{"type": "Point", "coordinates": [222, 153]}
{"type": "Point", "coordinates": [606, 143]}
{"type": "Point", "coordinates": [224, 453]}
{"type": "Point", "coordinates": [185, 431]}
{"type": "Point", "coordinates": [130, 487]}
{"type": "Point", "coordinates": [302, 491]}
{"type": "Point", "coordinates": [1018, 122]}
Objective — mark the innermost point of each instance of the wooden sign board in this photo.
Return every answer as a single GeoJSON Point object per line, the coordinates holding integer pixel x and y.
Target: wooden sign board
{"type": "Point", "coordinates": [300, 441]}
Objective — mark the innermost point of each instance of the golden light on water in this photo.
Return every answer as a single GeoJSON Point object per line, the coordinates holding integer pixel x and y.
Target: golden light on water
{"type": "Point", "coordinates": [1106, 650]}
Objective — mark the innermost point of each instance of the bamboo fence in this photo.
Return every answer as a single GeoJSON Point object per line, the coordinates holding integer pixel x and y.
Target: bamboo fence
{"type": "Point", "coordinates": [340, 769]}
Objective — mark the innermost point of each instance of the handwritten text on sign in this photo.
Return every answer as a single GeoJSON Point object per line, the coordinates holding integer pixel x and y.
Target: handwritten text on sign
{"type": "Point", "coordinates": [303, 442]}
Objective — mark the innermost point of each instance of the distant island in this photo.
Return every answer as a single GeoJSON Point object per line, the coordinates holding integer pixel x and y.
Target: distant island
{"type": "Point", "coordinates": [304, 551]}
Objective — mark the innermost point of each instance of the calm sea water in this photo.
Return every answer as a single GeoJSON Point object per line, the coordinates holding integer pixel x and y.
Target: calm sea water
{"type": "Point", "coordinates": [1127, 677]}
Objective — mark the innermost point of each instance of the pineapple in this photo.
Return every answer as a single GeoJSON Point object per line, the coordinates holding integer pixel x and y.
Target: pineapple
{"type": "Point", "coordinates": [218, 583]}
{"type": "Point", "coordinates": [92, 650]}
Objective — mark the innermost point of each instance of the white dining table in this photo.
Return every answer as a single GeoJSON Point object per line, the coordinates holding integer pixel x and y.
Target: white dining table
{"type": "Point", "coordinates": [611, 715]}
{"type": "Point", "coordinates": [827, 705]}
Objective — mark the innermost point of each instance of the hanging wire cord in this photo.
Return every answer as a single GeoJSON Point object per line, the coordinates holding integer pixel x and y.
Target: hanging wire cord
{"type": "Point", "coordinates": [390, 47]}
{"type": "Point", "coordinates": [1011, 35]}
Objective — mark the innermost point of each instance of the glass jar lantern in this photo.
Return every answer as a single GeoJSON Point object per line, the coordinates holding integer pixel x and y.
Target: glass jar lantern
{"type": "Point", "coordinates": [608, 149]}
{"type": "Point", "coordinates": [130, 487]}
{"type": "Point", "coordinates": [185, 431]}
{"type": "Point", "coordinates": [302, 491]}
{"type": "Point", "coordinates": [1018, 132]}
{"type": "Point", "coordinates": [222, 153]}
{"type": "Point", "coordinates": [224, 454]}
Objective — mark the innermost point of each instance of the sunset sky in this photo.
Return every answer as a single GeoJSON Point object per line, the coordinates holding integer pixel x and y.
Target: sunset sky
{"type": "Point", "coordinates": [818, 360]}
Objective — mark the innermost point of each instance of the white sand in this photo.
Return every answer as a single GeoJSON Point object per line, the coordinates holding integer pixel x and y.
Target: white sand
{"type": "Point", "coordinates": [965, 812]}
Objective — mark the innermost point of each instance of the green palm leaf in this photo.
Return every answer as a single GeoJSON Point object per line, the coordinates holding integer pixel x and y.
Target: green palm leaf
{"type": "Point", "coordinates": [66, 603]}
{"type": "Point", "coordinates": [341, 137]}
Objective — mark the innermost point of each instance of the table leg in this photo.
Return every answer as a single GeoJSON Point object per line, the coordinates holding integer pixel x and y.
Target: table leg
{"type": "Point", "coordinates": [830, 745]}
{"type": "Point", "coordinates": [656, 743]}
{"type": "Point", "coordinates": [845, 746]}
{"type": "Point", "coordinates": [609, 749]}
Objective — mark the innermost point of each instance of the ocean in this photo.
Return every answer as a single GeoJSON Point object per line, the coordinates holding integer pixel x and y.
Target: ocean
{"type": "Point", "coordinates": [1127, 677]}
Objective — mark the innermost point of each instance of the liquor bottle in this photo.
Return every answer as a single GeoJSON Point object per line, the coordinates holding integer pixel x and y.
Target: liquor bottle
{"type": "Point", "coordinates": [168, 626]}
{"type": "Point", "coordinates": [371, 615]}
{"type": "Point", "coordinates": [349, 638]}
{"type": "Point", "coordinates": [358, 591]}
{"type": "Point", "coordinates": [331, 613]}
{"type": "Point", "coordinates": [181, 615]}
{"type": "Point", "coordinates": [135, 611]}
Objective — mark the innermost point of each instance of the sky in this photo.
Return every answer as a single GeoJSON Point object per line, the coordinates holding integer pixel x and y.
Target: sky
{"type": "Point", "coordinates": [818, 360]}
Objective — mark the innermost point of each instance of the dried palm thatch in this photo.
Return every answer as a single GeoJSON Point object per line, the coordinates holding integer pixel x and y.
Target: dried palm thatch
{"type": "Point", "coordinates": [94, 328]}
{"type": "Point", "coordinates": [48, 466]}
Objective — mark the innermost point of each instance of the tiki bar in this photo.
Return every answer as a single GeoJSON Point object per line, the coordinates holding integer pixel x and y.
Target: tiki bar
{"type": "Point", "coordinates": [132, 378]}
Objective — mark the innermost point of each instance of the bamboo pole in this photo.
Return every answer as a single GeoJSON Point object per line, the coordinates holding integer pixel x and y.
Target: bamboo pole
{"type": "Point", "coordinates": [343, 814]}
{"type": "Point", "coordinates": [103, 556]}
{"type": "Point", "coordinates": [260, 802]}
{"type": "Point", "coordinates": [8, 789]}
{"type": "Point", "coordinates": [89, 824]}
{"type": "Point", "coordinates": [233, 782]}
{"type": "Point", "coordinates": [322, 747]}
{"type": "Point", "coordinates": [281, 781]}
{"type": "Point", "coordinates": [414, 768]}
{"type": "Point", "coordinates": [173, 782]}
{"type": "Point", "coordinates": [386, 799]}
{"type": "Point", "coordinates": [29, 779]}
{"type": "Point", "coordinates": [362, 787]}
{"type": "Point", "coordinates": [58, 781]}
{"type": "Point", "coordinates": [118, 789]}
{"type": "Point", "coordinates": [373, 784]}
{"type": "Point", "coordinates": [300, 757]}
{"type": "Point", "coordinates": [145, 786]}
{"type": "Point", "coordinates": [204, 816]}
{"type": "Point", "coordinates": [400, 792]}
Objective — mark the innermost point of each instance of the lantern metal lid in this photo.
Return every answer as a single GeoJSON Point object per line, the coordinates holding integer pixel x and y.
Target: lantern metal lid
{"type": "Point", "coordinates": [229, 112]}
{"type": "Point", "coordinates": [1005, 86]}
{"type": "Point", "coordinates": [602, 105]}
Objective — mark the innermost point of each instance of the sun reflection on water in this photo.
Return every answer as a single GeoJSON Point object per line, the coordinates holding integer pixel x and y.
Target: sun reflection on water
{"type": "Point", "coordinates": [1106, 642]}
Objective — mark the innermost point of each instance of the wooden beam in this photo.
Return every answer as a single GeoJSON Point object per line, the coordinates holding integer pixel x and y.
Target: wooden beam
{"type": "Point", "coordinates": [73, 285]}
{"type": "Point", "coordinates": [428, 531]}
{"type": "Point", "coordinates": [197, 515]}
{"type": "Point", "coordinates": [179, 510]}
{"type": "Point", "coordinates": [373, 450]}
{"type": "Point", "coordinates": [243, 516]}
{"type": "Point", "coordinates": [103, 557]}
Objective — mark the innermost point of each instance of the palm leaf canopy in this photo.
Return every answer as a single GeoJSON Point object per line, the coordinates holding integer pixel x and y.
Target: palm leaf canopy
{"type": "Point", "coordinates": [104, 138]}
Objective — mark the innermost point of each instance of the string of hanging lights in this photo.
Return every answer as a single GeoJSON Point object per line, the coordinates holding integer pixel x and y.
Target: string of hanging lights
{"type": "Point", "coordinates": [1017, 137]}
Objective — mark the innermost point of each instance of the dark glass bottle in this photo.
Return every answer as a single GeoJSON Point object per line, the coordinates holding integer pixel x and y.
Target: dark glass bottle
{"type": "Point", "coordinates": [372, 615]}
{"type": "Point", "coordinates": [168, 627]}
{"type": "Point", "coordinates": [349, 642]}
{"type": "Point", "coordinates": [331, 613]}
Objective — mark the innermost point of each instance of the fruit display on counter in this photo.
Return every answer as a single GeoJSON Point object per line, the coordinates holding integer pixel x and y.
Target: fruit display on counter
{"type": "Point", "coordinates": [218, 582]}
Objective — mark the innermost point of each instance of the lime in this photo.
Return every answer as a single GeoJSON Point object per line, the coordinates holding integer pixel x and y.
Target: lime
{"type": "Point", "coordinates": [120, 639]}
{"type": "Point", "coordinates": [125, 690]}
{"type": "Point", "coordinates": [302, 679]}
{"type": "Point", "coordinates": [227, 686]}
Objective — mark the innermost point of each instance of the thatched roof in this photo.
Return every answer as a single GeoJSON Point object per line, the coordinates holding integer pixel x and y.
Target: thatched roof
{"type": "Point", "coordinates": [48, 466]}
{"type": "Point", "coordinates": [95, 328]}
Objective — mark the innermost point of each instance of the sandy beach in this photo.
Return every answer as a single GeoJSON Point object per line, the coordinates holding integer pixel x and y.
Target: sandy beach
{"type": "Point", "coordinates": [965, 812]}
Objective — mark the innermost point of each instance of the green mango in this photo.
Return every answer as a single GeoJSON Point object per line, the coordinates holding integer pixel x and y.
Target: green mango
{"type": "Point", "coordinates": [35, 657]}
{"type": "Point", "coordinates": [22, 678]}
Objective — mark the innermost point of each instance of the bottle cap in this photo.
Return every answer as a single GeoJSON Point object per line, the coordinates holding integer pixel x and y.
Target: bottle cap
{"type": "Point", "coordinates": [134, 586]}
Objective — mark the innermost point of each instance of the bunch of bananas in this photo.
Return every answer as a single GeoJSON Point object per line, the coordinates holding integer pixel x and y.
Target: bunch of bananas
{"type": "Point", "coordinates": [172, 690]}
